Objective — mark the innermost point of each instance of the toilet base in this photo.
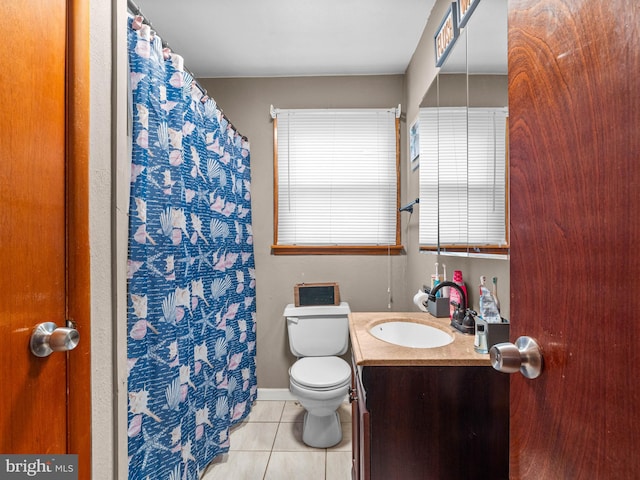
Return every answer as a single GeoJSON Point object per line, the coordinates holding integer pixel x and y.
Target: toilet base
{"type": "Point", "coordinates": [321, 432]}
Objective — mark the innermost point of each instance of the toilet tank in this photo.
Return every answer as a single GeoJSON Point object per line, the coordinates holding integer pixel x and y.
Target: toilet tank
{"type": "Point", "coordinates": [317, 331]}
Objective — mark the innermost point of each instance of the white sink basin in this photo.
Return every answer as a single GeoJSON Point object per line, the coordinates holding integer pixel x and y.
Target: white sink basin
{"type": "Point", "coordinates": [411, 334]}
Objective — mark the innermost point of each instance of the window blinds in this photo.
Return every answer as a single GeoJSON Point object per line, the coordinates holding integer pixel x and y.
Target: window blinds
{"type": "Point", "coordinates": [487, 177]}
{"type": "Point", "coordinates": [463, 177]}
{"type": "Point", "coordinates": [336, 177]}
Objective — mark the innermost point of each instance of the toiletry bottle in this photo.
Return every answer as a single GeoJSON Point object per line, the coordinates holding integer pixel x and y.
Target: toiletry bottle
{"type": "Point", "coordinates": [454, 294]}
{"type": "Point", "coordinates": [435, 280]}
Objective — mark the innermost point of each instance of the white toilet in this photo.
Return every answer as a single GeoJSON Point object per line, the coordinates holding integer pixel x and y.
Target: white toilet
{"type": "Point", "coordinates": [319, 379]}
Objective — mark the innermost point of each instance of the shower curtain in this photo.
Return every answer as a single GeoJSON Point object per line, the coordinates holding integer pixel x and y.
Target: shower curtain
{"type": "Point", "coordinates": [191, 287]}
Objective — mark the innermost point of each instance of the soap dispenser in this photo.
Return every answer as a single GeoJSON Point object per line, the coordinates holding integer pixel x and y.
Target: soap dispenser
{"type": "Point", "coordinates": [480, 341]}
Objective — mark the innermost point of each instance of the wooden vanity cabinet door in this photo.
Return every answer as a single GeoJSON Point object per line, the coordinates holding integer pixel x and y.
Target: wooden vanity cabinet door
{"type": "Point", "coordinates": [364, 443]}
{"type": "Point", "coordinates": [434, 423]}
{"type": "Point", "coordinates": [360, 430]}
{"type": "Point", "coordinates": [355, 429]}
{"type": "Point", "coordinates": [402, 429]}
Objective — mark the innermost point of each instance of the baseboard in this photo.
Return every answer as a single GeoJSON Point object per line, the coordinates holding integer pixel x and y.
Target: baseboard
{"type": "Point", "coordinates": [281, 394]}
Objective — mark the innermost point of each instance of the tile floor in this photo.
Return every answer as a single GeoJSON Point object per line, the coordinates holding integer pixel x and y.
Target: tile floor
{"type": "Point", "coordinates": [268, 446]}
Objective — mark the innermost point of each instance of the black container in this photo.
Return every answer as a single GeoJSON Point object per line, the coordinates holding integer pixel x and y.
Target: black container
{"type": "Point", "coordinates": [490, 334]}
{"type": "Point", "coordinates": [439, 308]}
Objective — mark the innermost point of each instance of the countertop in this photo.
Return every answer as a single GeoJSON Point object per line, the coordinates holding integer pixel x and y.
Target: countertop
{"type": "Point", "coordinates": [370, 351]}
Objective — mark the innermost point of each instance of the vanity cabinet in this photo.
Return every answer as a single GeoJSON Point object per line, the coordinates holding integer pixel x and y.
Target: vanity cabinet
{"type": "Point", "coordinates": [430, 422]}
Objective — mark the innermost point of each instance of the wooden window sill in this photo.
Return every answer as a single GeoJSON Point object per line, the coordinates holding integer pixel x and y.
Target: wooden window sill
{"type": "Point", "coordinates": [337, 250]}
{"type": "Point", "coordinates": [489, 250]}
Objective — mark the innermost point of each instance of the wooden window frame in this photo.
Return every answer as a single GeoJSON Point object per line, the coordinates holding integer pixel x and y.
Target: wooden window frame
{"type": "Point", "coordinates": [276, 249]}
{"type": "Point", "coordinates": [483, 249]}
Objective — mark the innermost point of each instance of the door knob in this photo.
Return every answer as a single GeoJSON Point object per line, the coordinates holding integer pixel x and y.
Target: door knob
{"type": "Point", "coordinates": [47, 338]}
{"type": "Point", "coordinates": [525, 356]}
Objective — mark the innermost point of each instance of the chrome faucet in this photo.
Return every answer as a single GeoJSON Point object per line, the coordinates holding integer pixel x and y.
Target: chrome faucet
{"type": "Point", "coordinates": [463, 319]}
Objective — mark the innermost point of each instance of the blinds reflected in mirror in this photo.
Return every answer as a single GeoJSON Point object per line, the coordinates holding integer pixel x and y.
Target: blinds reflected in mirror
{"type": "Point", "coordinates": [463, 177]}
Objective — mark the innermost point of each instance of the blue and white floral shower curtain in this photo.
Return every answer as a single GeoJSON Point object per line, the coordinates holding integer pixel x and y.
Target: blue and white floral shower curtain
{"type": "Point", "coordinates": [191, 288]}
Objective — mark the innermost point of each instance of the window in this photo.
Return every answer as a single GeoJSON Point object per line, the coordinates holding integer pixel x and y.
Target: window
{"type": "Point", "coordinates": [336, 181]}
{"type": "Point", "coordinates": [463, 178]}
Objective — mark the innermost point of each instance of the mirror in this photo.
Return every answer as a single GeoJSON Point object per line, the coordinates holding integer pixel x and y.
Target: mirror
{"type": "Point", "coordinates": [463, 160]}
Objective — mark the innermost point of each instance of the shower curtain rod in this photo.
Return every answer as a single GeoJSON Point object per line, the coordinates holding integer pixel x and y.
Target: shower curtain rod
{"type": "Point", "coordinates": [135, 10]}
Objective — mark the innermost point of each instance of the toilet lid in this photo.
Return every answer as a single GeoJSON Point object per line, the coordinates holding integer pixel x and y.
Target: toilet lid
{"type": "Point", "coordinates": [320, 372]}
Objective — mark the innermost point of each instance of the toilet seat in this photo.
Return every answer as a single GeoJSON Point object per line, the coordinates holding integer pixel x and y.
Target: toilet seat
{"type": "Point", "coordinates": [320, 373]}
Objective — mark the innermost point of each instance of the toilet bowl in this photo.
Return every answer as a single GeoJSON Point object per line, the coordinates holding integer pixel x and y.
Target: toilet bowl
{"type": "Point", "coordinates": [319, 379]}
{"type": "Point", "coordinates": [320, 384]}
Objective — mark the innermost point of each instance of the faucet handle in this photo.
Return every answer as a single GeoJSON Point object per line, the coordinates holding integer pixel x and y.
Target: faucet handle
{"type": "Point", "coordinates": [469, 318]}
{"type": "Point", "coordinates": [458, 316]}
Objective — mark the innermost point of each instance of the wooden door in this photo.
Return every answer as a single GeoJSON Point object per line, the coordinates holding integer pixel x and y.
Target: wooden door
{"type": "Point", "coordinates": [574, 102]}
{"type": "Point", "coordinates": [45, 402]}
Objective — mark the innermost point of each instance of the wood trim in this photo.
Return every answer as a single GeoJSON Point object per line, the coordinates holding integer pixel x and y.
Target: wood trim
{"type": "Point", "coordinates": [398, 240]}
{"type": "Point", "coordinates": [275, 181]}
{"type": "Point", "coordinates": [337, 249]}
{"type": "Point", "coordinates": [78, 259]}
{"type": "Point", "coordinates": [488, 249]}
{"type": "Point", "coordinates": [507, 192]}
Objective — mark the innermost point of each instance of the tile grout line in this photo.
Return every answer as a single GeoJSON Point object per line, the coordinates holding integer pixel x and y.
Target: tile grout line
{"type": "Point", "coordinates": [282, 425]}
{"type": "Point", "coordinates": [273, 444]}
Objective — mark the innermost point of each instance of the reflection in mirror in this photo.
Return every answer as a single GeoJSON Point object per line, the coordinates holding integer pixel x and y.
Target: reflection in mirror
{"type": "Point", "coordinates": [442, 182]}
{"type": "Point", "coordinates": [487, 99]}
{"type": "Point", "coordinates": [463, 157]}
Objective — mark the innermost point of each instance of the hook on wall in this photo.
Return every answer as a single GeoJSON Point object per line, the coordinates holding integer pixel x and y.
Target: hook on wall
{"type": "Point", "coordinates": [409, 206]}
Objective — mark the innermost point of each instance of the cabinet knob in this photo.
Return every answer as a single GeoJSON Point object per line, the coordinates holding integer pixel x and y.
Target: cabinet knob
{"type": "Point", "coordinates": [353, 396]}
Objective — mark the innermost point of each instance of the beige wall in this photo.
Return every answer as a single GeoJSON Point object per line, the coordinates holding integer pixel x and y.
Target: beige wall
{"type": "Point", "coordinates": [363, 280]}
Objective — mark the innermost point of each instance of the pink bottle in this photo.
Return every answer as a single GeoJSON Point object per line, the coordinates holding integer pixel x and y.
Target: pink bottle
{"type": "Point", "coordinates": [454, 294]}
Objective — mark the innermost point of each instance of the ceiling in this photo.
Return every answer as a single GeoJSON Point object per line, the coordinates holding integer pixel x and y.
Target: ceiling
{"type": "Point", "coordinates": [272, 38]}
